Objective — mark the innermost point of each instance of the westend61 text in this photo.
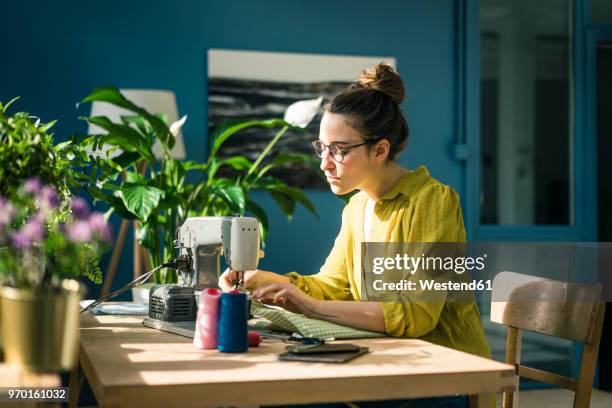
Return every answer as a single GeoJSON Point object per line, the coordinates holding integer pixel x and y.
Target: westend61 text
{"type": "Point", "coordinates": [431, 284]}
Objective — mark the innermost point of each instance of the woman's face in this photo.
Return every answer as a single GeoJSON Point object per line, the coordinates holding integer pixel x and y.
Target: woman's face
{"type": "Point", "coordinates": [350, 174]}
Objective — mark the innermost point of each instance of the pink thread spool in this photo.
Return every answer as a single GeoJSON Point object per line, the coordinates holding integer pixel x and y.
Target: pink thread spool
{"type": "Point", "coordinates": [207, 321]}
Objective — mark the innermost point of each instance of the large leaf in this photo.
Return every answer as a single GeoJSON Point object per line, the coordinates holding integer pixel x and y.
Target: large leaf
{"type": "Point", "coordinates": [233, 196]}
{"type": "Point", "coordinates": [140, 199]}
{"type": "Point", "coordinates": [115, 202]}
{"type": "Point", "coordinates": [143, 236]}
{"type": "Point", "coordinates": [126, 159]}
{"type": "Point", "coordinates": [112, 95]}
{"type": "Point", "coordinates": [298, 195]}
{"type": "Point", "coordinates": [174, 171]}
{"type": "Point", "coordinates": [229, 128]}
{"type": "Point", "coordinates": [134, 177]}
{"type": "Point", "coordinates": [286, 203]}
{"type": "Point", "coordinates": [139, 122]}
{"type": "Point", "coordinates": [123, 136]}
{"type": "Point", "coordinates": [193, 165]}
{"type": "Point", "coordinates": [236, 162]}
{"type": "Point", "coordinates": [274, 184]}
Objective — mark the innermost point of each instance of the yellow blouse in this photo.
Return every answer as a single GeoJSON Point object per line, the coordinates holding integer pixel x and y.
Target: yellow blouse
{"type": "Point", "coordinates": [418, 209]}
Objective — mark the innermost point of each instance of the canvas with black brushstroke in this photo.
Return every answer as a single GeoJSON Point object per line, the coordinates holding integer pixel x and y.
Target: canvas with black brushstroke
{"type": "Point", "coordinates": [261, 85]}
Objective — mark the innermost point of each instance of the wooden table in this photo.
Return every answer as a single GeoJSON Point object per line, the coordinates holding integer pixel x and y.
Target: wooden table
{"type": "Point", "coordinates": [128, 364]}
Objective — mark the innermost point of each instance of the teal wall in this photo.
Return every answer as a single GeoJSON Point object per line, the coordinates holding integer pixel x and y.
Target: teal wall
{"type": "Point", "coordinates": [54, 53]}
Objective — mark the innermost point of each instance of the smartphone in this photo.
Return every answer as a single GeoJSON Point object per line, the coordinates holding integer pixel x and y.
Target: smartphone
{"type": "Point", "coordinates": [303, 349]}
{"type": "Point", "coordinates": [330, 357]}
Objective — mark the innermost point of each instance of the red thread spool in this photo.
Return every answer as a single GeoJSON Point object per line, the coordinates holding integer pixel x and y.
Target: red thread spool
{"type": "Point", "coordinates": [254, 339]}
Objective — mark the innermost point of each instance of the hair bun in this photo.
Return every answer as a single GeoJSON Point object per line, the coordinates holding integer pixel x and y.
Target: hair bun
{"type": "Point", "coordinates": [383, 78]}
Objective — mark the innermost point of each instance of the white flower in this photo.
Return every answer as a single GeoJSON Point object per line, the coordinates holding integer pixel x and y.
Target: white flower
{"type": "Point", "coordinates": [301, 113]}
{"type": "Point", "coordinates": [175, 128]}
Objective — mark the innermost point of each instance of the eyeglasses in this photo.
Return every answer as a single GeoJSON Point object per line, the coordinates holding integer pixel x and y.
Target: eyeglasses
{"type": "Point", "coordinates": [336, 151]}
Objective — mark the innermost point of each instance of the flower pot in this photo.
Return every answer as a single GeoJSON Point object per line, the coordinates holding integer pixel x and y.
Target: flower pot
{"type": "Point", "coordinates": [41, 331]}
{"type": "Point", "coordinates": [140, 294]}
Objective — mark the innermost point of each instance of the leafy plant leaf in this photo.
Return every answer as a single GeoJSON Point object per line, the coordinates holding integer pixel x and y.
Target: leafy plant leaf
{"type": "Point", "coordinates": [142, 235]}
{"type": "Point", "coordinates": [115, 202]}
{"type": "Point", "coordinates": [232, 195]}
{"type": "Point", "coordinates": [3, 108]}
{"type": "Point", "coordinates": [286, 203]}
{"type": "Point", "coordinates": [225, 130]}
{"type": "Point", "coordinates": [112, 95]}
{"type": "Point", "coordinates": [140, 199]}
{"type": "Point", "coordinates": [123, 136]}
{"type": "Point", "coordinates": [126, 159]}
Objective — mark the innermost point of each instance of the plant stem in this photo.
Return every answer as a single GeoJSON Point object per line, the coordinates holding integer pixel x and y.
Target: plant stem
{"type": "Point", "coordinates": [265, 151]}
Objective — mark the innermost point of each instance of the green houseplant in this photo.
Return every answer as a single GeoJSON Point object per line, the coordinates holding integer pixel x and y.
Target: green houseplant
{"type": "Point", "coordinates": [46, 244]}
{"type": "Point", "coordinates": [27, 149]}
{"type": "Point", "coordinates": [161, 195]}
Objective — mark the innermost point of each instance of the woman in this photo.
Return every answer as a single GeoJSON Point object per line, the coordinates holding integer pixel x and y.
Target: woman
{"type": "Point", "coordinates": [362, 131]}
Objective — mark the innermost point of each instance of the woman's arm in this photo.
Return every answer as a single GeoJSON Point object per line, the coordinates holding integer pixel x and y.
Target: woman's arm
{"type": "Point", "coordinates": [361, 315]}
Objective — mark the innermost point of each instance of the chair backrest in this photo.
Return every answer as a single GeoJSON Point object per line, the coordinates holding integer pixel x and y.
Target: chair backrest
{"type": "Point", "coordinates": [562, 309]}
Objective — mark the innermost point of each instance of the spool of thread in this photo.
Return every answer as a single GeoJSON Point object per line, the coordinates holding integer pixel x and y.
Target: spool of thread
{"type": "Point", "coordinates": [254, 339]}
{"type": "Point", "coordinates": [233, 323]}
{"type": "Point", "coordinates": [207, 321]}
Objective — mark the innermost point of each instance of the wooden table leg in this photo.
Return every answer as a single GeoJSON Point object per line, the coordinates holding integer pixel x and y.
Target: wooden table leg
{"type": "Point", "coordinates": [75, 383]}
{"type": "Point", "coordinates": [480, 400]}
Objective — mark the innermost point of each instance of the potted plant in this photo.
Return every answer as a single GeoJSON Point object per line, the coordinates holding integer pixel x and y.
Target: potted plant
{"type": "Point", "coordinates": [39, 258]}
{"type": "Point", "coordinates": [160, 196]}
{"type": "Point", "coordinates": [44, 251]}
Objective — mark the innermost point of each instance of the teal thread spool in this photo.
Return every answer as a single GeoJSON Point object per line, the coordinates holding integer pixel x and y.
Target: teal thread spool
{"type": "Point", "coordinates": [233, 333]}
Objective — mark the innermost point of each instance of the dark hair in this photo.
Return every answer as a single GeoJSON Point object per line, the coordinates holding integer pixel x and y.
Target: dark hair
{"type": "Point", "coordinates": [373, 105]}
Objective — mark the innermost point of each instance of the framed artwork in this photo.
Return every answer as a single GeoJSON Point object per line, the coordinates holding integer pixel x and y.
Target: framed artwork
{"type": "Point", "coordinates": [261, 85]}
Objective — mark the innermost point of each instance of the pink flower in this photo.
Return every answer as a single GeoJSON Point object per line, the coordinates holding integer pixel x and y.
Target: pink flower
{"type": "Point", "coordinates": [48, 198]}
{"type": "Point", "coordinates": [33, 230]}
{"type": "Point", "coordinates": [80, 231]}
{"type": "Point", "coordinates": [6, 211]}
{"type": "Point", "coordinates": [99, 226]}
{"type": "Point", "coordinates": [20, 240]}
{"type": "Point", "coordinates": [40, 217]}
{"type": "Point", "coordinates": [32, 185]}
{"type": "Point", "coordinates": [80, 209]}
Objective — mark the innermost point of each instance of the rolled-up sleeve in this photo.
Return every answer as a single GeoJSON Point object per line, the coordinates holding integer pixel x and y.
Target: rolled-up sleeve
{"type": "Point", "coordinates": [434, 216]}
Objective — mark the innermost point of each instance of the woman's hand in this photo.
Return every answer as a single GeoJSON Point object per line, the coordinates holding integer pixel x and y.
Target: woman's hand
{"type": "Point", "coordinates": [361, 315]}
{"type": "Point", "coordinates": [229, 278]}
{"type": "Point", "coordinates": [253, 280]}
{"type": "Point", "coordinates": [287, 296]}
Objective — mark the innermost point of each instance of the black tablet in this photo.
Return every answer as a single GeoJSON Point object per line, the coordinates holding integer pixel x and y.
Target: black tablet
{"type": "Point", "coordinates": [326, 357]}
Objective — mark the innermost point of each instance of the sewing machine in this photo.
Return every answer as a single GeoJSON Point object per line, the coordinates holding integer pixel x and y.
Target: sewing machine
{"type": "Point", "coordinates": [200, 242]}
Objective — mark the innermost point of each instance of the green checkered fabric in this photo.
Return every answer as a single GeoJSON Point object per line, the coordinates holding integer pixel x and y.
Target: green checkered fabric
{"type": "Point", "coordinates": [283, 320]}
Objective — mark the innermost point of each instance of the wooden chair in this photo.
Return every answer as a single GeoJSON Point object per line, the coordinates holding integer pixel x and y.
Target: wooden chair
{"type": "Point", "coordinates": [561, 309]}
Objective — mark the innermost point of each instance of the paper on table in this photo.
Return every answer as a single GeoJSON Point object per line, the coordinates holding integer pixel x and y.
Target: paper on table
{"type": "Point", "coordinates": [117, 308]}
